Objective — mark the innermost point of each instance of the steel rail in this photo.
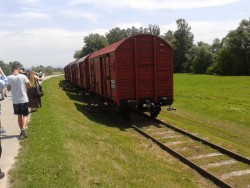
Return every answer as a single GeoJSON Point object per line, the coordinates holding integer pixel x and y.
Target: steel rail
{"type": "Point", "coordinates": [200, 170]}
{"type": "Point", "coordinates": [219, 148]}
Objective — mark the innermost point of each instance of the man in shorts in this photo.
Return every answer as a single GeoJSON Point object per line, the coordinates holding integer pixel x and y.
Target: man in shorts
{"type": "Point", "coordinates": [18, 84]}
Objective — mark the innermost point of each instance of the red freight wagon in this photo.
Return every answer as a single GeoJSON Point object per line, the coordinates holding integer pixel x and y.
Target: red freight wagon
{"type": "Point", "coordinates": [82, 73]}
{"type": "Point", "coordinates": [69, 72]}
{"type": "Point", "coordinates": [134, 73]}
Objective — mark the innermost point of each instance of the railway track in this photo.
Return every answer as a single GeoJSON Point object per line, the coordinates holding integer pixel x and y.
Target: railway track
{"type": "Point", "coordinates": [223, 167]}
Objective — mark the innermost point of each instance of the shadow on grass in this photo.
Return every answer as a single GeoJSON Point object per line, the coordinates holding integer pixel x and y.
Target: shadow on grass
{"type": "Point", "coordinates": [91, 107]}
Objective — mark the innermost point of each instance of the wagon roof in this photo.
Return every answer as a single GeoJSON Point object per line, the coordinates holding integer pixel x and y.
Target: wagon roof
{"type": "Point", "coordinates": [70, 63]}
{"type": "Point", "coordinates": [82, 58]}
{"type": "Point", "coordinates": [108, 49]}
{"type": "Point", "coordinates": [114, 46]}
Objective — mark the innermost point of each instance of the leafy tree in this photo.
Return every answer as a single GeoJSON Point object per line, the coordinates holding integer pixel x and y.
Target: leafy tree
{"type": "Point", "coordinates": [78, 54]}
{"type": "Point", "coordinates": [5, 67]}
{"type": "Point", "coordinates": [199, 58]}
{"type": "Point", "coordinates": [115, 35]}
{"type": "Point", "coordinates": [153, 29]}
{"type": "Point", "coordinates": [216, 45]}
{"type": "Point", "coordinates": [203, 60]}
{"type": "Point", "coordinates": [190, 56]}
{"type": "Point", "coordinates": [234, 58]}
{"type": "Point", "coordinates": [183, 41]}
{"type": "Point", "coordinates": [93, 42]}
{"type": "Point", "coordinates": [38, 68]}
{"type": "Point", "coordinates": [49, 70]}
{"type": "Point", "coordinates": [225, 62]}
{"type": "Point", "coordinates": [169, 36]}
{"type": "Point", "coordinates": [132, 31]}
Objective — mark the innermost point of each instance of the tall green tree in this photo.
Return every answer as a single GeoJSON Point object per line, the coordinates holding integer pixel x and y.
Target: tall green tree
{"type": "Point", "coordinates": [78, 54]}
{"type": "Point", "coordinates": [183, 41]}
{"type": "Point", "coordinates": [216, 45]}
{"type": "Point", "coordinates": [203, 59]}
{"type": "Point", "coordinates": [169, 36]}
{"type": "Point", "coordinates": [92, 43]}
{"type": "Point", "coordinates": [234, 58]}
{"type": "Point", "coordinates": [116, 34]}
{"type": "Point", "coordinates": [199, 58]}
{"type": "Point", "coordinates": [153, 29]}
{"type": "Point", "coordinates": [5, 67]}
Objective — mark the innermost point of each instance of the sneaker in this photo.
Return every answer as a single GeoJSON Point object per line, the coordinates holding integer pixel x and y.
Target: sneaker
{"type": "Point", "coordinates": [2, 175]}
{"type": "Point", "coordinates": [2, 130]}
{"type": "Point", "coordinates": [24, 133]}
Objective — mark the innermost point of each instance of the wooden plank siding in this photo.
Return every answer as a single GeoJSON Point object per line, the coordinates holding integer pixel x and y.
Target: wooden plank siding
{"type": "Point", "coordinates": [139, 67]}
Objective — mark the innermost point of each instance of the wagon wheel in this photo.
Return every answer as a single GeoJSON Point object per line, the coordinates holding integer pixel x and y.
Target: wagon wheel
{"type": "Point", "coordinates": [154, 112]}
{"type": "Point", "coordinates": [125, 114]}
{"type": "Point", "coordinates": [90, 105]}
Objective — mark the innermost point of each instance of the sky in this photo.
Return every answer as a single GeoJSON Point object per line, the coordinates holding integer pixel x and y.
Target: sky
{"type": "Point", "coordinates": [48, 32]}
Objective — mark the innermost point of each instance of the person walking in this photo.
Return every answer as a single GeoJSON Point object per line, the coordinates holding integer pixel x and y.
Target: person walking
{"type": "Point", "coordinates": [18, 84]}
{"type": "Point", "coordinates": [1, 131]}
{"type": "Point", "coordinates": [34, 99]}
{"type": "Point", "coordinates": [3, 84]}
{"type": "Point", "coordinates": [1, 173]}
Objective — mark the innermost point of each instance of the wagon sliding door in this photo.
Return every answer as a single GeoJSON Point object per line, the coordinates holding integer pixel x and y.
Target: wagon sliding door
{"type": "Point", "coordinates": [105, 77]}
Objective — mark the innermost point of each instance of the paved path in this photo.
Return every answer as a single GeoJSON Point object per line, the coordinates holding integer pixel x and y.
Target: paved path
{"type": "Point", "coordinates": [10, 141]}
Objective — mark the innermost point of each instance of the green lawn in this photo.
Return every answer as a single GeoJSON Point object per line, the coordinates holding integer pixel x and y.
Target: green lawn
{"type": "Point", "coordinates": [214, 107]}
{"type": "Point", "coordinates": [70, 147]}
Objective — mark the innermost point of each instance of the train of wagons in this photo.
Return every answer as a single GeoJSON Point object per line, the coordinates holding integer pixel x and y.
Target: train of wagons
{"type": "Point", "coordinates": [134, 74]}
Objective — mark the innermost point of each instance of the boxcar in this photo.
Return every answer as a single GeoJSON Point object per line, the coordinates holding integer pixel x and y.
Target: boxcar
{"type": "Point", "coordinates": [135, 73]}
{"type": "Point", "coordinates": [82, 73]}
{"type": "Point", "coordinates": [69, 72]}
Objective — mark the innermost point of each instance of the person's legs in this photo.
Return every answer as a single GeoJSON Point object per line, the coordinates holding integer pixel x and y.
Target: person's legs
{"type": "Point", "coordinates": [2, 88]}
{"type": "Point", "coordinates": [25, 113]}
{"type": "Point", "coordinates": [1, 92]}
{"type": "Point", "coordinates": [20, 121]}
{"type": "Point", "coordinates": [25, 122]}
{"type": "Point", "coordinates": [22, 110]}
{"type": "Point", "coordinates": [1, 173]}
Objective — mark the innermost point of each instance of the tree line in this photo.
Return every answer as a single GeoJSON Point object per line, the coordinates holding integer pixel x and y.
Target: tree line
{"type": "Point", "coordinates": [229, 56]}
{"type": "Point", "coordinates": [6, 67]}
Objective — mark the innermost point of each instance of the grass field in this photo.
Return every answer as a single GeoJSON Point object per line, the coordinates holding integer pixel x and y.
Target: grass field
{"type": "Point", "coordinates": [71, 147]}
{"type": "Point", "coordinates": [214, 107]}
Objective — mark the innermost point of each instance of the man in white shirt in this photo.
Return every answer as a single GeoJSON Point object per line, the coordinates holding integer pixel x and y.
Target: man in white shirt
{"type": "Point", "coordinates": [18, 84]}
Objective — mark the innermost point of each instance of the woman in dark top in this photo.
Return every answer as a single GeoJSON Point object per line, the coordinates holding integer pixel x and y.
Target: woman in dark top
{"type": "Point", "coordinates": [34, 99]}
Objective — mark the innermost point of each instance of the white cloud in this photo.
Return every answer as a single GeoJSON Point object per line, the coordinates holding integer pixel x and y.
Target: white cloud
{"type": "Point", "coordinates": [129, 25]}
{"type": "Point", "coordinates": [28, 1]}
{"type": "Point", "coordinates": [30, 16]}
{"type": "Point", "coordinates": [33, 9]}
{"type": "Point", "coordinates": [77, 14]}
{"type": "Point", "coordinates": [155, 4]}
{"type": "Point", "coordinates": [206, 31]}
{"type": "Point", "coordinates": [40, 46]}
